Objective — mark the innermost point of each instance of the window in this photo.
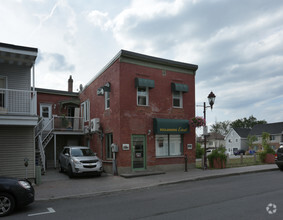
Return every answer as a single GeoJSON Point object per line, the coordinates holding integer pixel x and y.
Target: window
{"type": "Point", "coordinates": [107, 100]}
{"type": "Point", "coordinates": [45, 112]}
{"type": "Point", "coordinates": [177, 99]}
{"type": "Point", "coordinates": [85, 110]}
{"type": "Point", "coordinates": [142, 96]}
{"type": "Point", "coordinates": [108, 142]}
{"type": "Point", "coordinates": [71, 111]}
{"type": "Point", "coordinates": [168, 145]}
{"type": "Point", "coordinates": [272, 137]}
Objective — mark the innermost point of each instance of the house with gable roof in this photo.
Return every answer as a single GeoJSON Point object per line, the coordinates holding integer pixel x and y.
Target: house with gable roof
{"type": "Point", "coordinates": [275, 131]}
{"type": "Point", "coordinates": [237, 139]}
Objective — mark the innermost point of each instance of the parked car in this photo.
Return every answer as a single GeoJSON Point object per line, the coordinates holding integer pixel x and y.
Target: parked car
{"type": "Point", "coordinates": [77, 160]}
{"type": "Point", "coordinates": [14, 193]}
{"type": "Point", "coordinates": [239, 152]}
{"type": "Point", "coordinates": [279, 158]}
{"type": "Point", "coordinates": [208, 152]}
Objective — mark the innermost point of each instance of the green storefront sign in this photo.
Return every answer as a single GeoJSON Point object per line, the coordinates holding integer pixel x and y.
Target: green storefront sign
{"type": "Point", "coordinates": [170, 126]}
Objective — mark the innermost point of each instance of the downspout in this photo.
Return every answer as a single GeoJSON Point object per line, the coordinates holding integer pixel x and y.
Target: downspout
{"type": "Point", "coordinates": [34, 107]}
{"type": "Point", "coordinates": [33, 77]}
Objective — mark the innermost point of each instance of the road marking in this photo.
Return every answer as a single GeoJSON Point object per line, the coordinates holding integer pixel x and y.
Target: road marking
{"type": "Point", "coordinates": [50, 210]}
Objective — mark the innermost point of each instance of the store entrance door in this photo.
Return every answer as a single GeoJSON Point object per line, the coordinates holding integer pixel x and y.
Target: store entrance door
{"type": "Point", "coordinates": [138, 152]}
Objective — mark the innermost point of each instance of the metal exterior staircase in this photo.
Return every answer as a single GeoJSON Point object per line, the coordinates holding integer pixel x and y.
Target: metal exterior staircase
{"type": "Point", "coordinates": [43, 135]}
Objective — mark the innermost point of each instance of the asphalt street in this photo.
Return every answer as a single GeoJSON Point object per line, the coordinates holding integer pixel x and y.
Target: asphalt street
{"type": "Point", "coordinates": [247, 196]}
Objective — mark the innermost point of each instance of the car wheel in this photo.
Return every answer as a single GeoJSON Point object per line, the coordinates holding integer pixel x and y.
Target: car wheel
{"type": "Point", "coordinates": [280, 168]}
{"type": "Point", "coordinates": [70, 172]}
{"type": "Point", "coordinates": [7, 204]}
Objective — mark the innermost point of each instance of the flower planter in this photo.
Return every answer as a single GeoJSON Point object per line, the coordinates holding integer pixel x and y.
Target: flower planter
{"type": "Point", "coordinates": [270, 158]}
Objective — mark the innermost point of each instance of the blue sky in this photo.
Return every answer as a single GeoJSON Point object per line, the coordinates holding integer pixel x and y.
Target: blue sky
{"type": "Point", "coordinates": [236, 44]}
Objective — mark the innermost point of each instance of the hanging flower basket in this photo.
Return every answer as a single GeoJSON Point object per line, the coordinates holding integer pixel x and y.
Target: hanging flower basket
{"type": "Point", "coordinates": [197, 122]}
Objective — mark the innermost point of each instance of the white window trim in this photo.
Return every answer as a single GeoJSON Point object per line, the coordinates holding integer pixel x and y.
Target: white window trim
{"type": "Point", "coordinates": [85, 110]}
{"type": "Point", "coordinates": [180, 97]}
{"type": "Point", "coordinates": [146, 95]}
{"type": "Point", "coordinates": [107, 97]}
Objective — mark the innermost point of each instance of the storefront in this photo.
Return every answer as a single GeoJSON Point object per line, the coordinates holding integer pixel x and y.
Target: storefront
{"type": "Point", "coordinates": [169, 136]}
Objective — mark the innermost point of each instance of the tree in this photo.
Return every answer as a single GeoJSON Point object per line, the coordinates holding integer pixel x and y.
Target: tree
{"type": "Point", "coordinates": [221, 127]}
{"type": "Point", "coordinates": [267, 149]}
{"type": "Point", "coordinates": [265, 139]}
{"type": "Point", "coordinates": [246, 122]}
{"type": "Point", "coordinates": [224, 127]}
{"type": "Point", "coordinates": [199, 151]}
{"type": "Point", "coordinates": [251, 139]}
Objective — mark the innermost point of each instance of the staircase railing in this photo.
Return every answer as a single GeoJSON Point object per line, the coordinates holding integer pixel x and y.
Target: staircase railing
{"type": "Point", "coordinates": [48, 128]}
{"type": "Point", "coordinates": [41, 134]}
{"type": "Point", "coordinates": [42, 153]}
{"type": "Point", "coordinates": [38, 128]}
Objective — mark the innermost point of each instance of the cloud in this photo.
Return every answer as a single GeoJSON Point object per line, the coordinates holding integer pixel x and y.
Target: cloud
{"type": "Point", "coordinates": [236, 44]}
{"type": "Point", "coordinates": [99, 19]}
{"type": "Point", "coordinates": [56, 62]}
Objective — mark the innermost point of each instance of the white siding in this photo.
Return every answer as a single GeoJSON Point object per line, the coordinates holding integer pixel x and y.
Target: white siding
{"type": "Point", "coordinates": [233, 140]}
{"type": "Point", "coordinates": [17, 143]}
{"type": "Point", "coordinates": [19, 76]}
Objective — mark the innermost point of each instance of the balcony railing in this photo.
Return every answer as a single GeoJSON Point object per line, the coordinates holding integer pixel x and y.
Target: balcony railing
{"type": "Point", "coordinates": [63, 123]}
{"type": "Point", "coordinates": [17, 102]}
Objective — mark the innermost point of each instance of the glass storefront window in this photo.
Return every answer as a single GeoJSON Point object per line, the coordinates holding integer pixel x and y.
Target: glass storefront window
{"type": "Point", "coordinates": [168, 145]}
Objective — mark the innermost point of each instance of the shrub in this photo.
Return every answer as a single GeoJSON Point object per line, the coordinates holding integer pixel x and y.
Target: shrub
{"type": "Point", "coordinates": [217, 153]}
{"type": "Point", "coordinates": [199, 151]}
{"type": "Point", "coordinates": [267, 150]}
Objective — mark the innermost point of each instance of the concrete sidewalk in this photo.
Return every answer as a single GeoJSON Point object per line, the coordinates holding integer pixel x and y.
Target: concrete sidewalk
{"type": "Point", "coordinates": [57, 185]}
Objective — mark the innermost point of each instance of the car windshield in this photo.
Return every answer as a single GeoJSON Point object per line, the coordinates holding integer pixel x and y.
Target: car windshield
{"type": "Point", "coordinates": [77, 152]}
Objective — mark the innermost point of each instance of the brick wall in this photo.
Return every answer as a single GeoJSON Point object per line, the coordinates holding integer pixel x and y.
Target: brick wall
{"type": "Point", "coordinates": [125, 118]}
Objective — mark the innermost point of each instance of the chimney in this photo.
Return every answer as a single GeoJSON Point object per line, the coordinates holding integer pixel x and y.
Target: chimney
{"type": "Point", "coordinates": [70, 84]}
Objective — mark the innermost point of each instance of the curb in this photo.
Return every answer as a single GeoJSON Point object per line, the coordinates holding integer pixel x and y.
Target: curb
{"type": "Point", "coordinates": [157, 184]}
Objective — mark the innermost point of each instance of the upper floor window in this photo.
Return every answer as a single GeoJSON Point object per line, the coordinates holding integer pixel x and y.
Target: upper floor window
{"type": "Point", "coordinates": [85, 110]}
{"type": "Point", "coordinates": [143, 85]}
{"type": "Point", "coordinates": [178, 99]}
{"type": "Point", "coordinates": [142, 96]}
{"type": "Point", "coordinates": [107, 100]}
{"type": "Point", "coordinates": [272, 137]}
{"type": "Point", "coordinates": [177, 94]}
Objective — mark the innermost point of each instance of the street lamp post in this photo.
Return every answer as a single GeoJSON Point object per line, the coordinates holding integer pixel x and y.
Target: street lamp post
{"type": "Point", "coordinates": [211, 100]}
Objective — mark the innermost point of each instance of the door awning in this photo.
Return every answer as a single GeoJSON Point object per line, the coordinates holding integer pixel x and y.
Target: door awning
{"type": "Point", "coordinates": [177, 87]}
{"type": "Point", "coordinates": [170, 126]}
{"type": "Point", "coordinates": [139, 82]}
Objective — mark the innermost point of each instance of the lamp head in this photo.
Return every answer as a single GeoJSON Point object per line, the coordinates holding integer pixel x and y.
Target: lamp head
{"type": "Point", "coordinates": [211, 99]}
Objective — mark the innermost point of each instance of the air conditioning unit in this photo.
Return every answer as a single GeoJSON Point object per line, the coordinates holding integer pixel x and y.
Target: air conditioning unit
{"type": "Point", "coordinates": [94, 125]}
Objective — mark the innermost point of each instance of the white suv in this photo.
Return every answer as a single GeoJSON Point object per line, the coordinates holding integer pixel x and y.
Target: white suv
{"type": "Point", "coordinates": [79, 160]}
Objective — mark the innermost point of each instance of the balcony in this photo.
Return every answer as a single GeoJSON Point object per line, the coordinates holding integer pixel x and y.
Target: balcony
{"type": "Point", "coordinates": [17, 102]}
{"type": "Point", "coordinates": [17, 107]}
{"type": "Point", "coordinates": [68, 124]}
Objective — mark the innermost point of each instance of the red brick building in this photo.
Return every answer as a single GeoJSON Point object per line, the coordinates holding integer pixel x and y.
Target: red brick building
{"type": "Point", "coordinates": [143, 105]}
{"type": "Point", "coordinates": [60, 123]}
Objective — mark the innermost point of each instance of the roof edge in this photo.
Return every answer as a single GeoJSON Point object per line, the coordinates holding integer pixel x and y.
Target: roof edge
{"type": "Point", "coordinates": [142, 57]}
